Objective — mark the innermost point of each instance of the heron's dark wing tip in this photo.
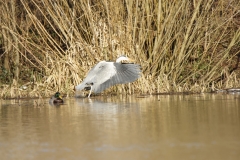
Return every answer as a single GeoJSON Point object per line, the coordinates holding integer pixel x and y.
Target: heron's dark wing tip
{"type": "Point", "coordinates": [126, 73]}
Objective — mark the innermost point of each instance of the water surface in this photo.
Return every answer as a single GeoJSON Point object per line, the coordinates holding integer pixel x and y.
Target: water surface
{"type": "Point", "coordinates": [169, 127]}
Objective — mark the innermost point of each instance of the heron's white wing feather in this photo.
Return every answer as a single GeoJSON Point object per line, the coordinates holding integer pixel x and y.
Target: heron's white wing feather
{"type": "Point", "coordinates": [99, 74]}
{"type": "Point", "coordinates": [106, 74]}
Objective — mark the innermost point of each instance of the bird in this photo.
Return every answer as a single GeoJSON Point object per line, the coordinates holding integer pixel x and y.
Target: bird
{"type": "Point", "coordinates": [106, 74]}
{"type": "Point", "coordinates": [56, 99]}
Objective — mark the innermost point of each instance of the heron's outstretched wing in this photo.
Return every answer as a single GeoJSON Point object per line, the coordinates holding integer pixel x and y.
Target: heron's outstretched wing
{"type": "Point", "coordinates": [123, 73]}
{"type": "Point", "coordinates": [106, 74]}
{"type": "Point", "coordinates": [99, 74]}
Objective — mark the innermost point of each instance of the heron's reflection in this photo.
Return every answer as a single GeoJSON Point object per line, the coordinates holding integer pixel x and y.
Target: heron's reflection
{"type": "Point", "coordinates": [106, 104]}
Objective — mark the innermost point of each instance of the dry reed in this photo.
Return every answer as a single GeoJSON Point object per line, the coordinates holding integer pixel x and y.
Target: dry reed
{"type": "Point", "coordinates": [181, 45]}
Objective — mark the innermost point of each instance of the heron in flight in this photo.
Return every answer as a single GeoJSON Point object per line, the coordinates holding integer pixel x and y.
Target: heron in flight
{"type": "Point", "coordinates": [106, 74]}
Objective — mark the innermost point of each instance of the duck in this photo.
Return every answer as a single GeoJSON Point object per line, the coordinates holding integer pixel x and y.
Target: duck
{"type": "Point", "coordinates": [56, 99]}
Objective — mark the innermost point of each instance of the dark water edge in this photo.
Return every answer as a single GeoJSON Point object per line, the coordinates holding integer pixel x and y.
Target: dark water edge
{"type": "Point", "coordinates": [138, 95]}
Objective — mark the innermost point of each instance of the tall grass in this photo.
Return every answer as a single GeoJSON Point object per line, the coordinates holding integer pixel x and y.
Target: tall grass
{"type": "Point", "coordinates": [181, 45]}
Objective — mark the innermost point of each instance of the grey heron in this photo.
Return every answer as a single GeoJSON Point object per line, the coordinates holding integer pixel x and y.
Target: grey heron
{"type": "Point", "coordinates": [106, 74]}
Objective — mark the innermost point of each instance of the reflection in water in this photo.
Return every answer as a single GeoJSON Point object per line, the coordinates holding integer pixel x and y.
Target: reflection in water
{"type": "Point", "coordinates": [205, 126]}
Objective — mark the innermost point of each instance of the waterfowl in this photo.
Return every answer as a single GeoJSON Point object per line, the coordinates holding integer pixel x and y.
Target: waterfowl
{"type": "Point", "coordinates": [106, 74]}
{"type": "Point", "coordinates": [56, 99]}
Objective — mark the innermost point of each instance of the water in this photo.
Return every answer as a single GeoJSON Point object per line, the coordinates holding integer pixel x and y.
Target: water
{"type": "Point", "coordinates": [169, 127]}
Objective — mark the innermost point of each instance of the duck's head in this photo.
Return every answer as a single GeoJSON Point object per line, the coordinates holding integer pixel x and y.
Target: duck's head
{"type": "Point", "coordinates": [57, 95]}
{"type": "Point", "coordinates": [57, 98]}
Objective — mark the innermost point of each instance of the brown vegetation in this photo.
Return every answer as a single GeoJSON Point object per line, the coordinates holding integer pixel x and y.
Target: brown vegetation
{"type": "Point", "coordinates": [48, 45]}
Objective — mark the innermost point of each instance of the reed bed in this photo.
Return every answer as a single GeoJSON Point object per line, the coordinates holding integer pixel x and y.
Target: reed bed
{"type": "Point", "coordinates": [182, 46]}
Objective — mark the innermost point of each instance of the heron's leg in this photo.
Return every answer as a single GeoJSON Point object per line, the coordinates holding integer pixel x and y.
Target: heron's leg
{"type": "Point", "coordinates": [90, 92]}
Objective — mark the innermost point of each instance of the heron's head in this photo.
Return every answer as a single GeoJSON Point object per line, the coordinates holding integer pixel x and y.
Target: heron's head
{"type": "Point", "coordinates": [124, 59]}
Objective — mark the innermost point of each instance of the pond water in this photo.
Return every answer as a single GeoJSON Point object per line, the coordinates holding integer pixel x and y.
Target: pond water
{"type": "Point", "coordinates": [168, 127]}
